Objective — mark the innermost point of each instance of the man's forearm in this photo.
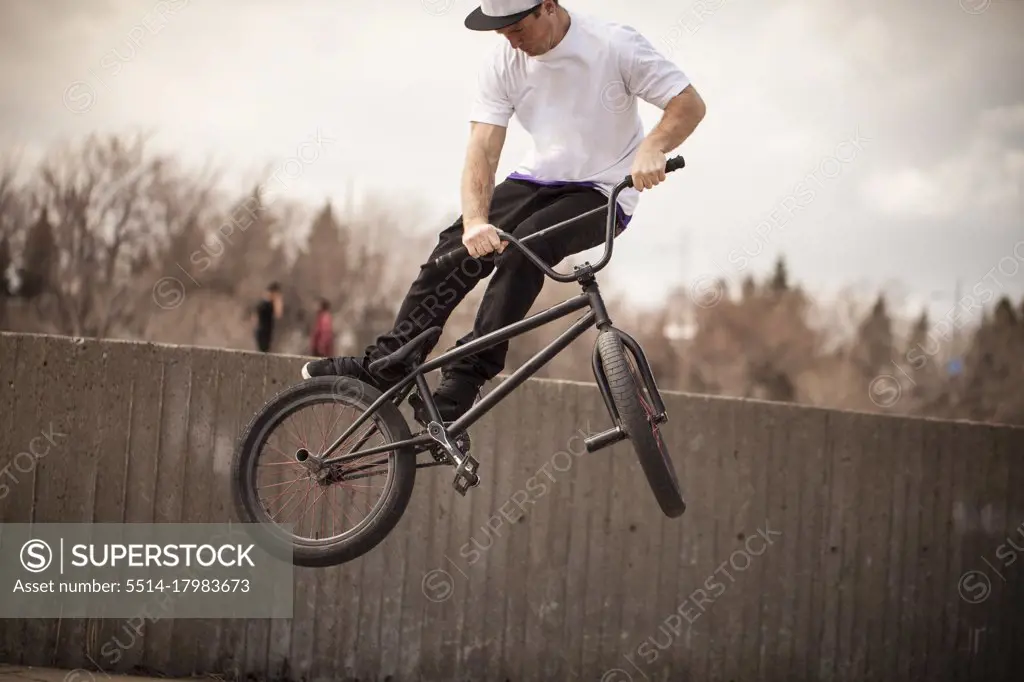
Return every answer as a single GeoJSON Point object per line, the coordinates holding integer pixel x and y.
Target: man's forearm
{"type": "Point", "coordinates": [477, 187]}
{"type": "Point", "coordinates": [681, 117]}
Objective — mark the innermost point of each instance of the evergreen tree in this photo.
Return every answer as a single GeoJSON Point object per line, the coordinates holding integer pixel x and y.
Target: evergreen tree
{"type": "Point", "coordinates": [39, 258]}
{"type": "Point", "coordinates": [1005, 316]}
{"type": "Point", "coordinates": [920, 350]}
{"type": "Point", "coordinates": [992, 367]}
{"type": "Point", "coordinates": [749, 288]}
{"type": "Point", "coordinates": [780, 278]}
{"type": "Point", "coordinates": [874, 344]}
{"type": "Point", "coordinates": [238, 253]}
{"type": "Point", "coordinates": [919, 332]}
{"type": "Point", "coordinates": [929, 389]}
{"type": "Point", "coordinates": [323, 264]}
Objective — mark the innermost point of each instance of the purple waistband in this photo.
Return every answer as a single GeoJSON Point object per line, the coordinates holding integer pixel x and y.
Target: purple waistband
{"type": "Point", "coordinates": [623, 218]}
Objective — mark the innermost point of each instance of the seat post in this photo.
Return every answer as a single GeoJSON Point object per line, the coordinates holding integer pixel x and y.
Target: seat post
{"type": "Point", "coordinates": [426, 397]}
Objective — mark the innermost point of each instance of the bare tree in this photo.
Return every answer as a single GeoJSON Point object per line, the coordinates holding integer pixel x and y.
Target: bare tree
{"type": "Point", "coordinates": [97, 201]}
{"type": "Point", "coordinates": [184, 204]}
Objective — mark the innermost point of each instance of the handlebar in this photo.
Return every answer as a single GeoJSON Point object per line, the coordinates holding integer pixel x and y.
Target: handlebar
{"type": "Point", "coordinates": [444, 260]}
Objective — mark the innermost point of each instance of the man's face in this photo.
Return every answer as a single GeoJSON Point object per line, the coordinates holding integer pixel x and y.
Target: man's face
{"type": "Point", "coordinates": [534, 34]}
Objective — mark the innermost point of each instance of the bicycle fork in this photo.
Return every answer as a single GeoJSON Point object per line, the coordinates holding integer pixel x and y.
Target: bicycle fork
{"type": "Point", "coordinates": [616, 433]}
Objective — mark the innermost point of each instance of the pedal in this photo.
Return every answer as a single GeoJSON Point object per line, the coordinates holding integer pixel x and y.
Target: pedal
{"type": "Point", "coordinates": [465, 475]}
{"type": "Point", "coordinates": [462, 486]}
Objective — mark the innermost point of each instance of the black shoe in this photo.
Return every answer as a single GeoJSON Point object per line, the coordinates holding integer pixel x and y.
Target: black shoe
{"type": "Point", "coordinates": [345, 367]}
{"type": "Point", "coordinates": [456, 394]}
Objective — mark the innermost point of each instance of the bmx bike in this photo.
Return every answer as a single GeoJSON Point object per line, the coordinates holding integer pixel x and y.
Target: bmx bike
{"type": "Point", "coordinates": [301, 469]}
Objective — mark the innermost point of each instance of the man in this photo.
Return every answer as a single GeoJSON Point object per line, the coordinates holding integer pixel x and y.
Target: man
{"type": "Point", "coordinates": [267, 310]}
{"type": "Point", "coordinates": [573, 82]}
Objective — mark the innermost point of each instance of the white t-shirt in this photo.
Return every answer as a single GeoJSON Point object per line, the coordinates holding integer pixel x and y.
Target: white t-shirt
{"type": "Point", "coordinates": [579, 102]}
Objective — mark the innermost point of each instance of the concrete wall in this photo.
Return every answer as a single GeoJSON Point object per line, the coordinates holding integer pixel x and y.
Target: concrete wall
{"type": "Point", "coordinates": [828, 545]}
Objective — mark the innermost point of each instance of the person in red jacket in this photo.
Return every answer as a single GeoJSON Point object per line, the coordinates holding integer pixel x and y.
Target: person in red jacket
{"type": "Point", "coordinates": [321, 342]}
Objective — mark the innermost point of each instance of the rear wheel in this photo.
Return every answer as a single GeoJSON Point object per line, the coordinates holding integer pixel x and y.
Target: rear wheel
{"type": "Point", "coordinates": [636, 411]}
{"type": "Point", "coordinates": [315, 515]}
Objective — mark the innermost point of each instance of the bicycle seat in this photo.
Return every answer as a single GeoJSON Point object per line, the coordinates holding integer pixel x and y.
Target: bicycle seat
{"type": "Point", "coordinates": [403, 355]}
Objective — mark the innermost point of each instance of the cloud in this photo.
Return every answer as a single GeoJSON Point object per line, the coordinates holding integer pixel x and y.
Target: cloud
{"type": "Point", "coordinates": [986, 175]}
{"type": "Point", "coordinates": [1007, 120]}
{"type": "Point", "coordinates": [30, 30]}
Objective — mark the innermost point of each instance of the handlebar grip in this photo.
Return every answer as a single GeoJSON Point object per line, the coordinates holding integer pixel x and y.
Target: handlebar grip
{"type": "Point", "coordinates": [673, 164]}
{"type": "Point", "coordinates": [446, 259]}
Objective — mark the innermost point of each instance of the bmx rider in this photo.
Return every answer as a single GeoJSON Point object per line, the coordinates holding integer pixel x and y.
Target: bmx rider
{"type": "Point", "coordinates": [573, 81]}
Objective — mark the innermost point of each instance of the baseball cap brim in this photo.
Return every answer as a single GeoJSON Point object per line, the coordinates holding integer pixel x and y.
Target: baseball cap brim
{"type": "Point", "coordinates": [478, 21]}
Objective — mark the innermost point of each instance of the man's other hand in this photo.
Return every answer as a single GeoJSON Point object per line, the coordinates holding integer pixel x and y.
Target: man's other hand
{"type": "Point", "coordinates": [482, 239]}
{"type": "Point", "coordinates": [648, 167]}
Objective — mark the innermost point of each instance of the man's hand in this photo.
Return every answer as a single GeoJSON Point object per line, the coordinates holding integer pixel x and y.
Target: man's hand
{"type": "Point", "coordinates": [682, 114]}
{"type": "Point", "coordinates": [648, 167]}
{"type": "Point", "coordinates": [481, 239]}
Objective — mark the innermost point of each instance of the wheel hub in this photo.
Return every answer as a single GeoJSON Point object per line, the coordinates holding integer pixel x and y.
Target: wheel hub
{"type": "Point", "coordinates": [313, 464]}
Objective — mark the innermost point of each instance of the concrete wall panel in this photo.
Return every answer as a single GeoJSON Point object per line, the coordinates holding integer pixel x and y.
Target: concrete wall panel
{"type": "Point", "coordinates": [818, 545]}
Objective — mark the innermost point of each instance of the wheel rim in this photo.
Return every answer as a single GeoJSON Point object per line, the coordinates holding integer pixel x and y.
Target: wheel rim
{"type": "Point", "coordinates": [285, 489]}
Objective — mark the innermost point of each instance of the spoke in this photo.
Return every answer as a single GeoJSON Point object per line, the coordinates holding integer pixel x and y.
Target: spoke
{"type": "Point", "coordinates": [295, 437]}
{"type": "Point", "coordinates": [292, 498]}
{"type": "Point", "coordinates": [372, 427]}
{"type": "Point", "coordinates": [354, 486]}
{"type": "Point", "coordinates": [311, 505]}
{"type": "Point", "coordinates": [337, 419]}
{"type": "Point", "coordinates": [272, 485]}
{"type": "Point", "coordinates": [285, 490]}
{"type": "Point", "coordinates": [288, 459]}
{"type": "Point", "coordinates": [323, 429]}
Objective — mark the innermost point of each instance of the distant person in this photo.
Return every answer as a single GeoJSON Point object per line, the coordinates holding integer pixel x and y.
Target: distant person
{"type": "Point", "coordinates": [573, 81]}
{"type": "Point", "coordinates": [268, 310]}
{"type": "Point", "coordinates": [321, 342]}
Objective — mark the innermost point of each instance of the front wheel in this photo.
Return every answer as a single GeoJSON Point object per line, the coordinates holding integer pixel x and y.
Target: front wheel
{"type": "Point", "coordinates": [321, 515]}
{"type": "Point", "coordinates": [636, 413]}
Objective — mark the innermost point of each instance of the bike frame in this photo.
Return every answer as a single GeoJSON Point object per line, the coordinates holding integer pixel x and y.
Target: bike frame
{"type": "Point", "coordinates": [596, 315]}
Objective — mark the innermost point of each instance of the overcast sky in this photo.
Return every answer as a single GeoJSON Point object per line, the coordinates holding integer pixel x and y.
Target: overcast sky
{"type": "Point", "coordinates": [877, 144]}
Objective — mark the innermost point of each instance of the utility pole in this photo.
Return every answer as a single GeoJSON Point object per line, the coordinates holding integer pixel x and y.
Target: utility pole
{"type": "Point", "coordinates": [956, 329]}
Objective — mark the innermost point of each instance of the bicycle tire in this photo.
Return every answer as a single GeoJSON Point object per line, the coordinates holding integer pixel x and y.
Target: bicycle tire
{"type": "Point", "coordinates": [316, 553]}
{"type": "Point", "coordinates": [650, 448]}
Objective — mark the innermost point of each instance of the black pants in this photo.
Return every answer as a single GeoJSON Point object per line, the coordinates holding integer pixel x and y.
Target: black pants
{"type": "Point", "coordinates": [262, 337]}
{"type": "Point", "coordinates": [519, 208]}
